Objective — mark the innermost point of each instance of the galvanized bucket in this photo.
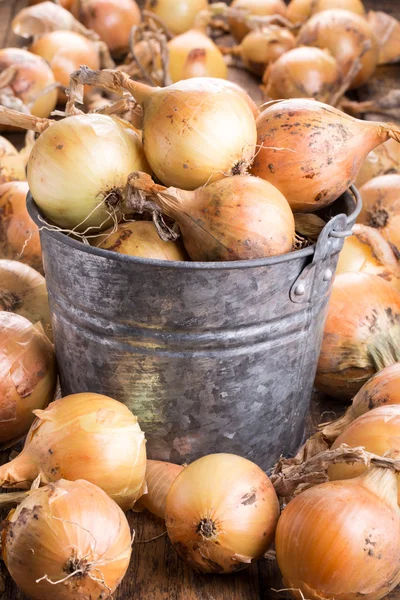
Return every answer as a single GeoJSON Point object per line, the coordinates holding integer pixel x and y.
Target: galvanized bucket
{"type": "Point", "coordinates": [211, 357]}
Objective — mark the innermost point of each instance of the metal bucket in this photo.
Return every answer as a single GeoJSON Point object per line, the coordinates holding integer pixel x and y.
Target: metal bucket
{"type": "Point", "coordinates": [211, 357]}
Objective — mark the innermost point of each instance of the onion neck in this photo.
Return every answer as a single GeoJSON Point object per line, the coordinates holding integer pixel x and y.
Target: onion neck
{"type": "Point", "coordinates": [383, 483]}
{"type": "Point", "coordinates": [173, 201]}
{"type": "Point", "coordinates": [20, 472]}
{"type": "Point", "coordinates": [332, 430]}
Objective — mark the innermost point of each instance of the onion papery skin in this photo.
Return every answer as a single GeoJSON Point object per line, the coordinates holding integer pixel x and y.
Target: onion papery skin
{"type": "Point", "coordinates": [299, 11]}
{"type": "Point", "coordinates": [221, 513]}
{"type": "Point", "coordinates": [331, 526]}
{"type": "Point", "coordinates": [66, 51]}
{"type": "Point", "coordinates": [194, 54]}
{"type": "Point", "coordinates": [242, 92]}
{"type": "Point", "coordinates": [383, 160]}
{"type": "Point", "coordinates": [99, 428]}
{"type": "Point", "coordinates": [23, 292]}
{"type": "Point", "coordinates": [159, 479]}
{"type": "Point", "coordinates": [64, 3]}
{"type": "Point", "coordinates": [62, 528]}
{"type": "Point", "coordinates": [331, 144]}
{"type": "Point", "coordinates": [343, 33]}
{"type": "Point", "coordinates": [177, 15]}
{"type": "Point", "coordinates": [263, 46]}
{"type": "Point", "coordinates": [27, 374]}
{"type": "Point", "coordinates": [261, 8]}
{"type": "Point", "coordinates": [377, 431]}
{"type": "Point", "coordinates": [383, 388]}
{"type": "Point", "coordinates": [32, 75]}
{"type": "Point", "coordinates": [387, 31]}
{"type": "Point", "coordinates": [12, 166]}
{"type": "Point", "coordinates": [362, 333]}
{"type": "Point", "coordinates": [79, 162]}
{"type": "Point", "coordinates": [112, 20]}
{"type": "Point", "coordinates": [304, 72]}
{"type": "Point", "coordinates": [196, 131]}
{"type": "Point", "coordinates": [19, 235]}
{"type": "Point", "coordinates": [142, 240]}
{"type": "Point", "coordinates": [381, 206]}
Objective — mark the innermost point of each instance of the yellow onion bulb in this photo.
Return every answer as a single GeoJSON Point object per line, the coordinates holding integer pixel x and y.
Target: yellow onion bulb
{"type": "Point", "coordinates": [387, 32]}
{"type": "Point", "coordinates": [19, 235]}
{"type": "Point", "coordinates": [361, 335]}
{"type": "Point", "coordinates": [221, 513]}
{"type": "Point", "coordinates": [177, 15]}
{"type": "Point", "coordinates": [78, 169]}
{"type": "Point", "coordinates": [98, 428]}
{"type": "Point", "coordinates": [12, 166]}
{"type": "Point", "coordinates": [257, 8]}
{"type": "Point", "coordinates": [299, 11]}
{"type": "Point", "coordinates": [377, 431]}
{"type": "Point", "coordinates": [112, 20]}
{"type": "Point", "coordinates": [159, 479]}
{"type": "Point", "coordinates": [263, 46]}
{"type": "Point", "coordinates": [303, 72]}
{"type": "Point", "coordinates": [67, 540]}
{"type": "Point", "coordinates": [331, 526]}
{"type": "Point", "coordinates": [194, 54]}
{"type": "Point", "coordinates": [383, 160]}
{"type": "Point", "coordinates": [23, 292]}
{"type": "Point", "coordinates": [381, 206]}
{"type": "Point", "coordinates": [242, 92]}
{"type": "Point", "coordinates": [66, 51]}
{"type": "Point", "coordinates": [32, 76]}
{"type": "Point", "coordinates": [141, 239]}
{"type": "Point", "coordinates": [27, 374]}
{"type": "Point", "coordinates": [344, 34]}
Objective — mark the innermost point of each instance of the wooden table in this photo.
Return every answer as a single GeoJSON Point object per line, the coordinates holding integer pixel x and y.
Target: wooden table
{"type": "Point", "coordinates": [156, 572]}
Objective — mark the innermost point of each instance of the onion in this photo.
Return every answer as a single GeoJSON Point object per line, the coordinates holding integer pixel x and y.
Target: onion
{"type": "Point", "coordinates": [64, 3]}
{"type": "Point", "coordinates": [27, 374]}
{"type": "Point", "coordinates": [303, 72]}
{"type": "Point", "coordinates": [345, 35]}
{"type": "Point", "coordinates": [78, 168]}
{"type": "Point", "coordinates": [177, 15]}
{"type": "Point", "coordinates": [31, 76]}
{"type": "Point", "coordinates": [95, 427]}
{"type": "Point", "coordinates": [112, 20]}
{"type": "Point", "coordinates": [387, 32]}
{"type": "Point", "coordinates": [23, 292]}
{"type": "Point", "coordinates": [259, 8]}
{"type": "Point", "coordinates": [362, 333]}
{"type": "Point", "coordinates": [236, 218]}
{"type": "Point", "coordinates": [67, 541]}
{"type": "Point", "coordinates": [383, 160]}
{"type": "Point", "coordinates": [194, 54]}
{"type": "Point", "coordinates": [221, 513]}
{"type": "Point", "coordinates": [66, 51]}
{"type": "Point", "coordinates": [367, 251]}
{"type": "Point", "coordinates": [312, 152]}
{"type": "Point", "coordinates": [141, 239]}
{"type": "Point", "coordinates": [381, 206]}
{"type": "Point", "coordinates": [19, 236]}
{"type": "Point", "coordinates": [299, 11]}
{"type": "Point", "coordinates": [263, 46]}
{"type": "Point", "coordinates": [159, 478]}
{"type": "Point", "coordinates": [12, 166]}
{"type": "Point", "coordinates": [331, 526]}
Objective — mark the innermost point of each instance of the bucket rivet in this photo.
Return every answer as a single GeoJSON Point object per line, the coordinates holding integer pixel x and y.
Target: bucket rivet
{"type": "Point", "coordinates": [300, 289]}
{"type": "Point", "coordinates": [328, 275]}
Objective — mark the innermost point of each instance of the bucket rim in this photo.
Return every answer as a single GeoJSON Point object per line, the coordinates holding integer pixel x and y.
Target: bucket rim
{"type": "Point", "coordinates": [37, 217]}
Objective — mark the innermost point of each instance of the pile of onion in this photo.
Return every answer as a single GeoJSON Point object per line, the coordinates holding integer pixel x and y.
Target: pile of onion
{"type": "Point", "coordinates": [381, 206]}
{"type": "Point", "coordinates": [345, 34]}
{"type": "Point", "coordinates": [362, 333]}
{"type": "Point", "coordinates": [98, 428]}
{"type": "Point", "coordinates": [299, 11]}
{"type": "Point", "coordinates": [221, 513]}
{"type": "Point", "coordinates": [141, 239]}
{"type": "Point", "coordinates": [12, 166]}
{"type": "Point", "coordinates": [30, 77]}
{"type": "Point", "coordinates": [236, 218]}
{"type": "Point", "coordinates": [177, 15]}
{"type": "Point", "coordinates": [331, 145]}
{"type": "Point", "coordinates": [19, 235]}
{"type": "Point", "coordinates": [383, 160]}
{"type": "Point", "coordinates": [27, 374]}
{"type": "Point", "coordinates": [303, 72]}
{"type": "Point", "coordinates": [23, 292]}
{"type": "Point", "coordinates": [67, 540]}
{"type": "Point", "coordinates": [259, 8]}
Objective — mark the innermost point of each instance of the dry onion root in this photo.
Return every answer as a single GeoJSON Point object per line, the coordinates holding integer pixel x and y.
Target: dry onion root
{"type": "Point", "coordinates": [381, 206]}
{"type": "Point", "coordinates": [299, 11]}
{"type": "Point", "coordinates": [242, 9]}
{"type": "Point", "coordinates": [221, 513]}
{"type": "Point", "coordinates": [383, 160]}
{"type": "Point", "coordinates": [178, 16]}
{"type": "Point", "coordinates": [387, 32]}
{"type": "Point", "coordinates": [27, 374]}
{"type": "Point", "coordinates": [257, 223]}
{"type": "Point", "coordinates": [348, 37]}
{"type": "Point", "coordinates": [12, 166]}
{"type": "Point", "coordinates": [159, 479]}
{"type": "Point", "coordinates": [23, 292]}
{"type": "Point", "coordinates": [67, 541]}
{"type": "Point", "coordinates": [362, 333]}
{"type": "Point", "coordinates": [312, 152]}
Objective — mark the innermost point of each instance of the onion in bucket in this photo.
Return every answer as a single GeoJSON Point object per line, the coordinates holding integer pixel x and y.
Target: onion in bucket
{"type": "Point", "coordinates": [381, 206]}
